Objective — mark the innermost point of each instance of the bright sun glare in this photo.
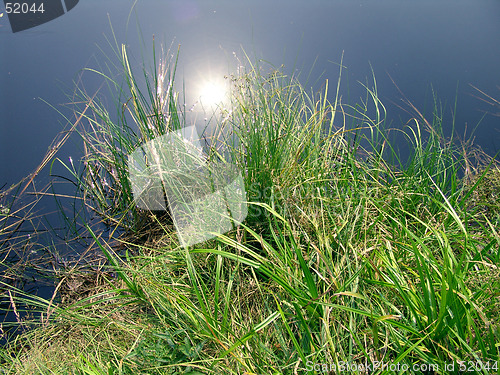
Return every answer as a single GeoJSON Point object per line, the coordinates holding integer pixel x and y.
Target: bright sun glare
{"type": "Point", "coordinates": [213, 94]}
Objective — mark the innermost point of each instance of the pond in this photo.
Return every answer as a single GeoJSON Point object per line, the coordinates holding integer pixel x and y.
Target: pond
{"type": "Point", "coordinates": [415, 48]}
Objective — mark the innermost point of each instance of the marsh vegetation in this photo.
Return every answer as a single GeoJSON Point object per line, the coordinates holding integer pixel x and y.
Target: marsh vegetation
{"type": "Point", "coordinates": [349, 254]}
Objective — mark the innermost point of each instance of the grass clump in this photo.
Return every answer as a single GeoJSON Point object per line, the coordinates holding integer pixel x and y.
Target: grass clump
{"type": "Point", "coordinates": [343, 257]}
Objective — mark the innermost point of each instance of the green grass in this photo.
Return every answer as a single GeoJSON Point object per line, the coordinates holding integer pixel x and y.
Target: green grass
{"type": "Point", "coordinates": [343, 257]}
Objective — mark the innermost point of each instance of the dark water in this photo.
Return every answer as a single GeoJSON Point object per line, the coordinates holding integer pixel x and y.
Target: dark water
{"type": "Point", "coordinates": [424, 46]}
{"type": "Point", "coordinates": [418, 43]}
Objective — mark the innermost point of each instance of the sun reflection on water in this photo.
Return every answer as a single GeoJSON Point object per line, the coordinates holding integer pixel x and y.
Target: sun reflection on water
{"type": "Point", "coordinates": [213, 93]}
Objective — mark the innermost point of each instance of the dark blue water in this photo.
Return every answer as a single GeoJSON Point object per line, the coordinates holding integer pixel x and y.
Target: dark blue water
{"type": "Point", "coordinates": [420, 44]}
{"type": "Point", "coordinates": [423, 46]}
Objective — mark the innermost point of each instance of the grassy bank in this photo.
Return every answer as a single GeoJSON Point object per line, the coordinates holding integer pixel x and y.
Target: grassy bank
{"type": "Point", "coordinates": [343, 258]}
